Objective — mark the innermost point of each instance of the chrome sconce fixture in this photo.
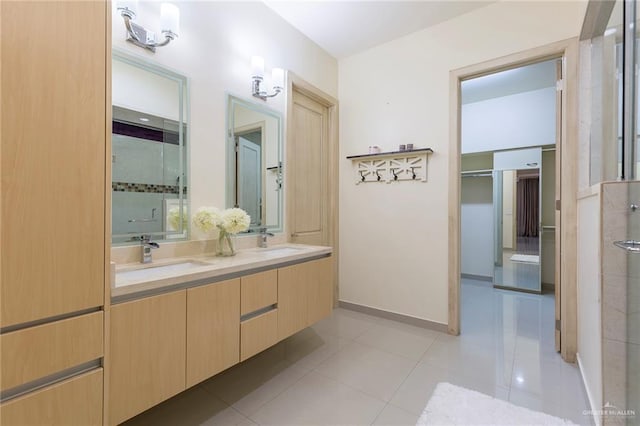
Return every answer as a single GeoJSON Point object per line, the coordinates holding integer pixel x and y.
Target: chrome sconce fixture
{"type": "Point", "coordinates": [257, 78]}
{"type": "Point", "coordinates": [140, 36]}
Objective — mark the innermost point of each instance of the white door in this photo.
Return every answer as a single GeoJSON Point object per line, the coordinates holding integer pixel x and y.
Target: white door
{"type": "Point", "coordinates": [249, 195]}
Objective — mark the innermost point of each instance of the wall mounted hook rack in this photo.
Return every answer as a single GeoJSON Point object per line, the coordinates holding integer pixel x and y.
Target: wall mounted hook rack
{"type": "Point", "coordinates": [392, 166]}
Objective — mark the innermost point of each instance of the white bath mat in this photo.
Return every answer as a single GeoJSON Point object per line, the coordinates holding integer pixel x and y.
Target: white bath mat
{"type": "Point", "coordinates": [525, 258]}
{"type": "Point", "coordinates": [453, 405]}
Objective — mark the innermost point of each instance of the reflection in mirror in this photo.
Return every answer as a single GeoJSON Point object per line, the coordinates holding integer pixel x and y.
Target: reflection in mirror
{"type": "Point", "coordinates": [254, 162]}
{"type": "Point", "coordinates": [517, 219]}
{"type": "Point", "coordinates": [149, 134]}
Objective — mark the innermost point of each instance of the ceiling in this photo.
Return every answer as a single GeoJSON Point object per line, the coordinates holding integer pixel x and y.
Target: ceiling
{"type": "Point", "coordinates": [517, 80]}
{"type": "Point", "coordinates": [344, 28]}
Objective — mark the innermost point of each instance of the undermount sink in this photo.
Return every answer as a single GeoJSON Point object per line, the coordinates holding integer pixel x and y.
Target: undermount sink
{"type": "Point", "coordinates": [279, 251]}
{"type": "Point", "coordinates": [154, 272]}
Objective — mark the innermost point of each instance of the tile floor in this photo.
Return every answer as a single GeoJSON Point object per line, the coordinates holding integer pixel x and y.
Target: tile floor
{"type": "Point", "coordinates": [355, 369]}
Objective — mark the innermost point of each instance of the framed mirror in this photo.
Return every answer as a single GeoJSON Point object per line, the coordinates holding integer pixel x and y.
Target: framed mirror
{"type": "Point", "coordinates": [149, 151]}
{"type": "Point", "coordinates": [517, 189]}
{"type": "Point", "coordinates": [254, 162]}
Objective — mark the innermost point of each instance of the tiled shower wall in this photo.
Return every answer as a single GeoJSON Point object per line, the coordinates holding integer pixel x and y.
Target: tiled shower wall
{"type": "Point", "coordinates": [620, 302]}
{"type": "Point", "coordinates": [145, 174]}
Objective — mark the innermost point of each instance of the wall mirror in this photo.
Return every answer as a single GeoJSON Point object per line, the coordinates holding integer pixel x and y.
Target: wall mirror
{"type": "Point", "coordinates": [149, 151]}
{"type": "Point", "coordinates": [517, 189]}
{"type": "Point", "coordinates": [254, 162]}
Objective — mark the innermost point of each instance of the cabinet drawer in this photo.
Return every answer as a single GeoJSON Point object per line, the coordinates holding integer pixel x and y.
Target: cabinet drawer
{"type": "Point", "coordinates": [76, 401]}
{"type": "Point", "coordinates": [258, 291]}
{"type": "Point", "coordinates": [39, 351]}
{"type": "Point", "coordinates": [258, 333]}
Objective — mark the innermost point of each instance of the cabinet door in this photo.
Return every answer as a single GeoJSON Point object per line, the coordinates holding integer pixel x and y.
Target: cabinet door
{"type": "Point", "coordinates": [53, 158]}
{"type": "Point", "coordinates": [148, 340]}
{"type": "Point", "coordinates": [213, 329]}
{"type": "Point", "coordinates": [292, 299]}
{"type": "Point", "coordinates": [320, 296]}
{"type": "Point", "coordinates": [76, 401]}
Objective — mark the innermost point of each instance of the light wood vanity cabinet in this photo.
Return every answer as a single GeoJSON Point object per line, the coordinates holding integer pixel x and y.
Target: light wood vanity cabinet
{"type": "Point", "coordinates": [161, 345]}
{"type": "Point", "coordinates": [213, 329]}
{"type": "Point", "coordinates": [147, 354]}
{"type": "Point", "coordinates": [305, 295]}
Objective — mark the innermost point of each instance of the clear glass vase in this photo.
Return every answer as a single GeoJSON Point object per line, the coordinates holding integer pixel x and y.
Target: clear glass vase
{"type": "Point", "coordinates": [225, 244]}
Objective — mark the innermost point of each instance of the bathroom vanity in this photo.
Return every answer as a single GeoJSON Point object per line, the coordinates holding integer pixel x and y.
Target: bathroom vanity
{"type": "Point", "coordinates": [181, 321]}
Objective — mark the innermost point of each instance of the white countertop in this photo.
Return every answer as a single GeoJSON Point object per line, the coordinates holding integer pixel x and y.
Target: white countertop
{"type": "Point", "coordinates": [169, 273]}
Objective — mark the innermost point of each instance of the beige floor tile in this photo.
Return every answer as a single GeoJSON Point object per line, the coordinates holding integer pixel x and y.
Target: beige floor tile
{"type": "Point", "coordinates": [313, 349]}
{"type": "Point", "coordinates": [399, 339]}
{"type": "Point", "coordinates": [375, 372]}
{"type": "Point", "coordinates": [558, 382]}
{"type": "Point", "coordinates": [394, 416]}
{"type": "Point", "coordinates": [416, 390]}
{"type": "Point", "coordinates": [248, 386]}
{"type": "Point", "coordinates": [491, 364]}
{"type": "Point", "coordinates": [191, 408]}
{"type": "Point", "coordinates": [345, 324]}
{"type": "Point", "coordinates": [318, 400]}
{"type": "Point", "coordinates": [545, 405]}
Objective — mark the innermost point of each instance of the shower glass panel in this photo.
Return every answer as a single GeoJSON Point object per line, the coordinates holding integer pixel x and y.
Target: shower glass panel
{"type": "Point", "coordinates": [607, 99]}
{"type": "Point", "coordinates": [517, 189]}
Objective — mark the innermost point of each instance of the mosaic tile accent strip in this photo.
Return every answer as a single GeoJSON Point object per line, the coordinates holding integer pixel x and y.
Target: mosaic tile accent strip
{"type": "Point", "coordinates": [146, 187]}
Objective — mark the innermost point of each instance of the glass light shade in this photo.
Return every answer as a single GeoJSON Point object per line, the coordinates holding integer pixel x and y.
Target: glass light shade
{"type": "Point", "coordinates": [170, 18]}
{"type": "Point", "coordinates": [277, 75]}
{"type": "Point", "coordinates": [131, 5]}
{"type": "Point", "coordinates": [257, 66]}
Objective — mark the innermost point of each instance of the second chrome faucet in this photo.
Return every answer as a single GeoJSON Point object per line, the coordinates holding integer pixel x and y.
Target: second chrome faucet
{"type": "Point", "coordinates": [262, 237]}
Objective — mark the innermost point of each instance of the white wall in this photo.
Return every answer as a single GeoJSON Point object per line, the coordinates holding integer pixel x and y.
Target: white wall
{"type": "Point", "coordinates": [477, 226]}
{"type": "Point", "coordinates": [214, 49]}
{"type": "Point", "coordinates": [140, 90]}
{"type": "Point", "coordinates": [393, 238]}
{"type": "Point", "coordinates": [510, 122]}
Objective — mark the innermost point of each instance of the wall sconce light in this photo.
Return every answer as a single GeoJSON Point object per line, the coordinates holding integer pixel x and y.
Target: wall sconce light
{"type": "Point", "coordinates": [140, 36]}
{"type": "Point", "coordinates": [257, 77]}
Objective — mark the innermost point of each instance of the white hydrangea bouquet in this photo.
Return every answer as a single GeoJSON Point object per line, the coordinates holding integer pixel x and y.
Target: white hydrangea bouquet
{"type": "Point", "coordinates": [222, 225]}
{"type": "Point", "coordinates": [174, 217]}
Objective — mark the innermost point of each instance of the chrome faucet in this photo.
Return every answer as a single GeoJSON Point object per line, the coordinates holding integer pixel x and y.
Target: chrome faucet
{"type": "Point", "coordinates": [262, 237]}
{"type": "Point", "coordinates": [147, 245]}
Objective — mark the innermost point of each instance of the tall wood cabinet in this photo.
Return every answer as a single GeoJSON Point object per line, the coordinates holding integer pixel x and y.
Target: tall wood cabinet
{"type": "Point", "coordinates": [52, 209]}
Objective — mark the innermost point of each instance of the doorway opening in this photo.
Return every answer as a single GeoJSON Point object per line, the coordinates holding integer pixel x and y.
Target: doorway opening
{"type": "Point", "coordinates": [519, 253]}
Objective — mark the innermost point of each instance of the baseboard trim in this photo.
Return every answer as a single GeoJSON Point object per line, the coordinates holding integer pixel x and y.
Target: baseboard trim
{"type": "Point", "coordinates": [418, 322]}
{"type": "Point", "coordinates": [477, 277]}
{"type": "Point", "coordinates": [596, 419]}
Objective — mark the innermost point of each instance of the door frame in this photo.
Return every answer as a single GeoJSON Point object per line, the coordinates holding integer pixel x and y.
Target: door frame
{"type": "Point", "coordinates": [566, 154]}
{"type": "Point", "coordinates": [295, 83]}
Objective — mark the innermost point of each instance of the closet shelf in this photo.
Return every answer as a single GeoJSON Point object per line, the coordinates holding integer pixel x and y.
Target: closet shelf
{"type": "Point", "coordinates": [392, 166]}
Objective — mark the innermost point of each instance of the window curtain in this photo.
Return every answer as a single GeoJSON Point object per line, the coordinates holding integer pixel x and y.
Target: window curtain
{"type": "Point", "coordinates": [528, 196]}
